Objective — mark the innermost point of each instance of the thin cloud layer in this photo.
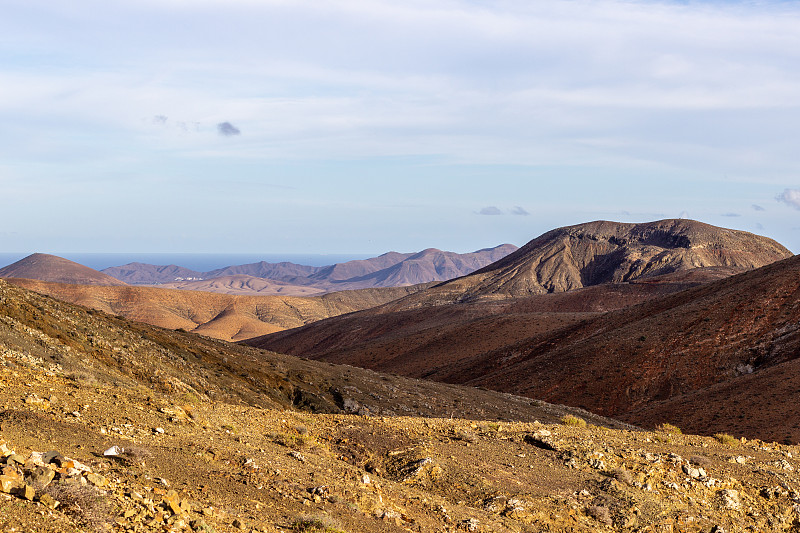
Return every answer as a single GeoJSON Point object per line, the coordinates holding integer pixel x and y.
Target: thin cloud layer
{"type": "Point", "coordinates": [490, 210]}
{"type": "Point", "coordinates": [578, 108]}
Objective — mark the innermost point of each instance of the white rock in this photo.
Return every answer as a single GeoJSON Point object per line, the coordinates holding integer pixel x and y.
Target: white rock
{"type": "Point", "coordinates": [114, 451]}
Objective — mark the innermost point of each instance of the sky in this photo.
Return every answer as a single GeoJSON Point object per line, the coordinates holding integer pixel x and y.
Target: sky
{"type": "Point", "coordinates": [363, 126]}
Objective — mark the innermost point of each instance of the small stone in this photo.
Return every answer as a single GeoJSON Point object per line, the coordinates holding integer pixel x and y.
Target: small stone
{"type": "Point", "coordinates": [8, 484]}
{"type": "Point", "coordinates": [173, 500]}
{"type": "Point", "coordinates": [160, 431]}
{"type": "Point", "coordinates": [27, 492]}
{"type": "Point", "coordinates": [471, 524]}
{"type": "Point", "coordinates": [114, 451]}
{"type": "Point", "coordinates": [729, 499]}
{"type": "Point", "coordinates": [48, 501]}
{"type": "Point", "coordinates": [41, 476]}
{"type": "Point", "coordinates": [53, 457]}
{"type": "Point", "coordinates": [238, 524]}
{"type": "Point", "coordinates": [540, 441]}
{"type": "Point", "coordinates": [298, 456]}
{"type": "Point", "coordinates": [96, 479]}
{"type": "Point", "coordinates": [15, 458]}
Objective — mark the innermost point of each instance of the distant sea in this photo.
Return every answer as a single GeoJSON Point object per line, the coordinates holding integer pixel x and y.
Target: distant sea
{"type": "Point", "coordinates": [198, 262]}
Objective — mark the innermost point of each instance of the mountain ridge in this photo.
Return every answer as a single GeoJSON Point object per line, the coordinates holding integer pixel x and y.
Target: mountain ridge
{"type": "Point", "coordinates": [391, 269]}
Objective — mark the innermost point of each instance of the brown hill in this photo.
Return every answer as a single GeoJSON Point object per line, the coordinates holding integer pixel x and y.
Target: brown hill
{"type": "Point", "coordinates": [245, 285]}
{"type": "Point", "coordinates": [56, 269]}
{"type": "Point", "coordinates": [604, 252]}
{"type": "Point", "coordinates": [155, 430]}
{"type": "Point", "coordinates": [718, 357]}
{"type": "Point", "coordinates": [414, 342]}
{"type": "Point", "coordinates": [222, 316]}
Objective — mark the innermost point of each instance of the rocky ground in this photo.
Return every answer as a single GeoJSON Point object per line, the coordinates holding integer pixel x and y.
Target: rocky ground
{"type": "Point", "coordinates": [88, 443]}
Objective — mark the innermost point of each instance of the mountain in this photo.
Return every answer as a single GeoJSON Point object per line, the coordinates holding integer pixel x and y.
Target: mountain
{"type": "Point", "coordinates": [394, 270]}
{"type": "Point", "coordinates": [603, 252]}
{"type": "Point", "coordinates": [391, 269]}
{"type": "Point", "coordinates": [145, 274]}
{"type": "Point", "coordinates": [283, 271]}
{"type": "Point", "coordinates": [245, 285]}
{"type": "Point", "coordinates": [721, 356]}
{"type": "Point", "coordinates": [222, 316]}
{"type": "Point", "coordinates": [56, 269]}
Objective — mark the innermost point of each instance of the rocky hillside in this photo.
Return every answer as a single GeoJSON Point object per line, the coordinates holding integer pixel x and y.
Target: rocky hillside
{"type": "Point", "coordinates": [607, 252]}
{"type": "Point", "coordinates": [56, 269]}
{"type": "Point", "coordinates": [112, 426]}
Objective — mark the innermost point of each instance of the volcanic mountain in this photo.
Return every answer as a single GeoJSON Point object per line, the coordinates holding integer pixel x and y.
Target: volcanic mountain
{"type": "Point", "coordinates": [607, 252]}
{"type": "Point", "coordinates": [56, 269]}
{"type": "Point", "coordinates": [668, 346]}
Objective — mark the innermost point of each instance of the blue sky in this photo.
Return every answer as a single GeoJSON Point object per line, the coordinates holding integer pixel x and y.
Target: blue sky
{"type": "Point", "coordinates": [361, 126]}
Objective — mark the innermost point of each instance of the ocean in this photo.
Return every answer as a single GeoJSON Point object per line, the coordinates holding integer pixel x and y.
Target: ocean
{"type": "Point", "coordinates": [198, 262]}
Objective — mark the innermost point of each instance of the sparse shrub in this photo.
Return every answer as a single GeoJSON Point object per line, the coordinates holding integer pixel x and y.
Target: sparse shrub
{"type": "Point", "coordinates": [135, 454]}
{"type": "Point", "coordinates": [600, 513]}
{"type": "Point", "coordinates": [316, 524]}
{"type": "Point", "coordinates": [290, 441]}
{"type": "Point", "coordinates": [669, 428]}
{"type": "Point", "coordinates": [699, 460]}
{"type": "Point", "coordinates": [726, 439]}
{"type": "Point", "coordinates": [86, 503]}
{"type": "Point", "coordinates": [622, 475]}
{"type": "Point", "coordinates": [467, 436]}
{"type": "Point", "coordinates": [571, 420]}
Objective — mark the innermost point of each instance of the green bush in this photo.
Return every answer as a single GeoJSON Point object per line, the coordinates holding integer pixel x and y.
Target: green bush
{"type": "Point", "coordinates": [570, 420]}
{"type": "Point", "coordinates": [726, 439]}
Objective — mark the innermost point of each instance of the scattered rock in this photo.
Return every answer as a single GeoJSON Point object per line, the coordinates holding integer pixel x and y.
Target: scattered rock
{"type": "Point", "coordinates": [540, 441]}
{"type": "Point", "coordinates": [729, 499]}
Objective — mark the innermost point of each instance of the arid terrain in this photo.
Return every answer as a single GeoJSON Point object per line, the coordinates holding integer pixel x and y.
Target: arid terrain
{"type": "Point", "coordinates": [222, 316]}
{"type": "Point", "coordinates": [108, 425]}
{"type": "Point", "coordinates": [651, 350]}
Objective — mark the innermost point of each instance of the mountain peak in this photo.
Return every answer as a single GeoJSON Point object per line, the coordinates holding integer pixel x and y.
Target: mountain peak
{"type": "Point", "coordinates": [48, 267]}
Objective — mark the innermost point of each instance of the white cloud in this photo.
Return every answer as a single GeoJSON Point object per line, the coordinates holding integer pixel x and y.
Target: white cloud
{"type": "Point", "coordinates": [790, 197]}
{"type": "Point", "coordinates": [490, 210]}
